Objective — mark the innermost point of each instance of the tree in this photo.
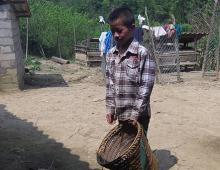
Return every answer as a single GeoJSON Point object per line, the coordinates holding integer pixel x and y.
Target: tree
{"type": "Point", "coordinates": [51, 28]}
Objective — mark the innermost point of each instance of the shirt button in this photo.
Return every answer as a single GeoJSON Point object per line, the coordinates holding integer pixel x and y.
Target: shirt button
{"type": "Point", "coordinates": [120, 95]}
{"type": "Point", "coordinates": [117, 90]}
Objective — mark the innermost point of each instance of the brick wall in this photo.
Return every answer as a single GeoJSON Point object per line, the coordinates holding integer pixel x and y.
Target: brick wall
{"type": "Point", "coordinates": [11, 56]}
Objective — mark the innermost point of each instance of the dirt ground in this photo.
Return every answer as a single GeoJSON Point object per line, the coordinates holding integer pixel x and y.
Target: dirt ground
{"type": "Point", "coordinates": [58, 121]}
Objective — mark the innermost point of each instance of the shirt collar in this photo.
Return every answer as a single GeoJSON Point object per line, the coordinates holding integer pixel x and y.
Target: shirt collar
{"type": "Point", "coordinates": [132, 48]}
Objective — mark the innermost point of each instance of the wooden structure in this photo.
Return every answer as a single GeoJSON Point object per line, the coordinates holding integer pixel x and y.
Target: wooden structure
{"type": "Point", "coordinates": [88, 53]}
{"type": "Point", "coordinates": [21, 7]}
{"type": "Point", "coordinates": [189, 55]}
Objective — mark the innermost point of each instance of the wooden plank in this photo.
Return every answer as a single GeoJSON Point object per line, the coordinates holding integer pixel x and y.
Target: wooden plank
{"type": "Point", "coordinates": [59, 60]}
{"type": "Point", "coordinates": [93, 63]}
{"type": "Point", "coordinates": [188, 63]}
{"type": "Point", "coordinates": [180, 53]}
{"type": "Point", "coordinates": [94, 58]}
{"type": "Point", "coordinates": [95, 53]}
{"type": "Point", "coordinates": [80, 46]}
{"type": "Point", "coordinates": [181, 64]}
{"type": "Point", "coordinates": [80, 51]}
{"type": "Point", "coordinates": [81, 57]}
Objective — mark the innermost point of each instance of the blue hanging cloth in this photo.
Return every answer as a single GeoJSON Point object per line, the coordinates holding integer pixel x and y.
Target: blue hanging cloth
{"type": "Point", "coordinates": [107, 42]}
{"type": "Point", "coordinates": [178, 29]}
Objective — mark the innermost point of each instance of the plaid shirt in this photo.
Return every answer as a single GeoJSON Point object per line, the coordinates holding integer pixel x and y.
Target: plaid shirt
{"type": "Point", "coordinates": [129, 82]}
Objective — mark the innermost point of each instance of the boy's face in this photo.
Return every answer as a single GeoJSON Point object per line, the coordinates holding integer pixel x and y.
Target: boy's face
{"type": "Point", "coordinates": [121, 33]}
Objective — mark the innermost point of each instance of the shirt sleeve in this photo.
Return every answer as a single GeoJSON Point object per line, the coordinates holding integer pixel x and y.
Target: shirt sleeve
{"type": "Point", "coordinates": [110, 95]}
{"type": "Point", "coordinates": [146, 83]}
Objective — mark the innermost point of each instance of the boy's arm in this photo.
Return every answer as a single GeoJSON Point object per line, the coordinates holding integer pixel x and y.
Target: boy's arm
{"type": "Point", "coordinates": [146, 83]}
{"type": "Point", "coordinates": [110, 101]}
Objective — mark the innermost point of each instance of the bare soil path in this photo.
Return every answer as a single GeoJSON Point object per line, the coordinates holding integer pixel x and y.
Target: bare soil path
{"type": "Point", "coordinates": [57, 123]}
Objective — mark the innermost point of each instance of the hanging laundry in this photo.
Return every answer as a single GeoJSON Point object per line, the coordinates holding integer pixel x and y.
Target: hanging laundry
{"type": "Point", "coordinates": [140, 19]}
{"type": "Point", "coordinates": [158, 31]}
{"type": "Point", "coordinates": [178, 28]}
{"type": "Point", "coordinates": [102, 43]}
{"type": "Point", "coordinates": [170, 29]}
{"type": "Point", "coordinates": [108, 42]}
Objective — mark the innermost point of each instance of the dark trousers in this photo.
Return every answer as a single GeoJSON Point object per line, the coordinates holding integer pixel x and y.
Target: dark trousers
{"type": "Point", "coordinates": [103, 65]}
{"type": "Point", "coordinates": [144, 121]}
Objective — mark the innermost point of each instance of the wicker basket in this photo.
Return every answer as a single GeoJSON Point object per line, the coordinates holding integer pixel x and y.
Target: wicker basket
{"type": "Point", "coordinates": [120, 149]}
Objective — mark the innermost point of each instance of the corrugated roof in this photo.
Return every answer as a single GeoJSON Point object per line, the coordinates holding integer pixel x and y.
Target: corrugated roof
{"type": "Point", "coordinates": [21, 7]}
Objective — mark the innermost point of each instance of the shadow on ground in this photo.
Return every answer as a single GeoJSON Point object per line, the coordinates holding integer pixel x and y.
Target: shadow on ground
{"type": "Point", "coordinates": [44, 80]}
{"type": "Point", "coordinates": [165, 159]}
{"type": "Point", "coordinates": [24, 147]}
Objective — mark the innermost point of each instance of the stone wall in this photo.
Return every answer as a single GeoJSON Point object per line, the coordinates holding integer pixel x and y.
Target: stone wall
{"type": "Point", "coordinates": [11, 56]}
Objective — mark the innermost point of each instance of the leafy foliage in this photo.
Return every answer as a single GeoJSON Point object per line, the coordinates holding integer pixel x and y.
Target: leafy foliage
{"type": "Point", "coordinates": [55, 25]}
{"type": "Point", "coordinates": [32, 63]}
{"type": "Point", "coordinates": [51, 28]}
{"type": "Point", "coordinates": [158, 9]}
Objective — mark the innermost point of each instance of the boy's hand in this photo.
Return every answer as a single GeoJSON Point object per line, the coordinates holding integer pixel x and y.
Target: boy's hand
{"type": "Point", "coordinates": [133, 120]}
{"type": "Point", "coordinates": [110, 118]}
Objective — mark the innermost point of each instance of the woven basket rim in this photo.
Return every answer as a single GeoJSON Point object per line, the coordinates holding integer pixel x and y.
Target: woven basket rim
{"type": "Point", "coordinates": [116, 128]}
{"type": "Point", "coordinates": [134, 141]}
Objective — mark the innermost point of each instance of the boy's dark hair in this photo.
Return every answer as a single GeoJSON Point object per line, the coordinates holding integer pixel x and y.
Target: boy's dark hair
{"type": "Point", "coordinates": [122, 12]}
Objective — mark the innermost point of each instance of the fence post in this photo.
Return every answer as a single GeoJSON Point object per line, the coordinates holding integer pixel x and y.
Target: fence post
{"type": "Point", "coordinates": [218, 54]}
{"type": "Point", "coordinates": [178, 58]}
{"type": "Point", "coordinates": [27, 32]}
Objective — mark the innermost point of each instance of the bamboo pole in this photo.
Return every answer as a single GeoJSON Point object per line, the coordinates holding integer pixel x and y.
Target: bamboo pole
{"type": "Point", "coordinates": [153, 46]}
{"type": "Point", "coordinates": [218, 55]}
{"type": "Point", "coordinates": [27, 32]}
{"type": "Point", "coordinates": [74, 33]}
{"type": "Point", "coordinates": [58, 39]}
{"type": "Point", "coordinates": [178, 58]}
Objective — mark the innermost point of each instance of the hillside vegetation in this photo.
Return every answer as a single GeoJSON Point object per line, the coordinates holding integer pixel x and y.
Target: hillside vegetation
{"type": "Point", "coordinates": [56, 25]}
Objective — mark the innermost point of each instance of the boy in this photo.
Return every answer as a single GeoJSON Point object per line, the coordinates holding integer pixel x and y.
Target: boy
{"type": "Point", "coordinates": [130, 73]}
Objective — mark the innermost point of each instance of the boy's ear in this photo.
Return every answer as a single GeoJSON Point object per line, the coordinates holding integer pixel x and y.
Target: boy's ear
{"type": "Point", "coordinates": [133, 26]}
